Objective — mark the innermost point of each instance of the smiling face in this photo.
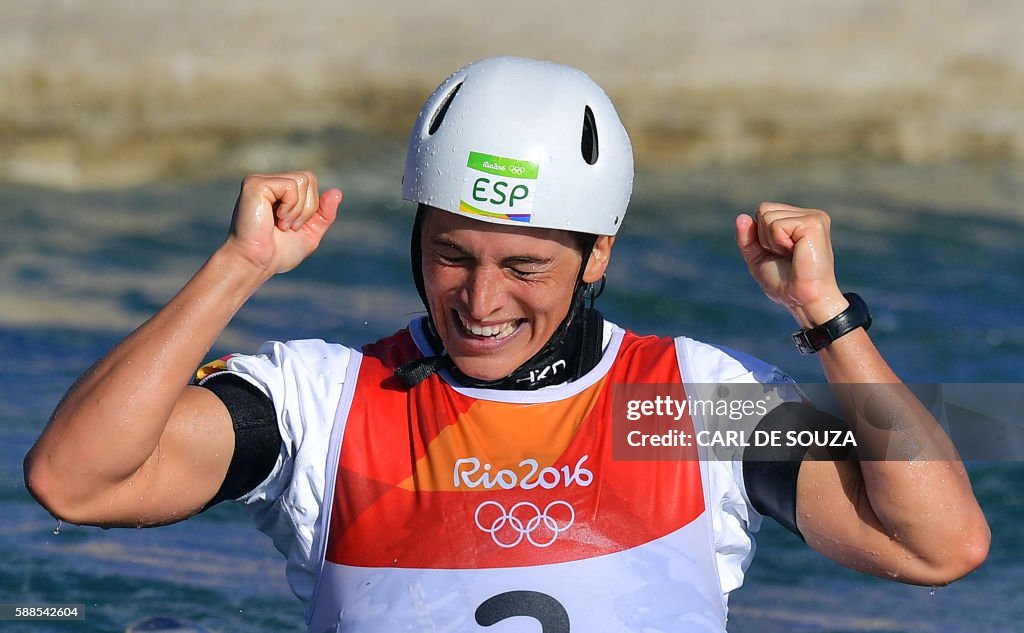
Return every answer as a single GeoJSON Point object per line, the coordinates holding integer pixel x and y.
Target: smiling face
{"type": "Point", "coordinates": [497, 293]}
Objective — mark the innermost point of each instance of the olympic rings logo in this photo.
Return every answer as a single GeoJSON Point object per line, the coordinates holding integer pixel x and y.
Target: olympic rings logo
{"type": "Point", "coordinates": [518, 170]}
{"type": "Point", "coordinates": [524, 520]}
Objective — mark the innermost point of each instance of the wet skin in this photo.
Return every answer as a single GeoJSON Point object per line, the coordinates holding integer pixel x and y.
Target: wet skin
{"type": "Point", "coordinates": [497, 293]}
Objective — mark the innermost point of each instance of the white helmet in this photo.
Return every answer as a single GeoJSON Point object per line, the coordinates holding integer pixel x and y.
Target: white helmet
{"type": "Point", "coordinates": [525, 143]}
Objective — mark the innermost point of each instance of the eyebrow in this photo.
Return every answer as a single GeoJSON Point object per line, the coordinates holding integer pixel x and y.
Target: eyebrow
{"type": "Point", "coordinates": [527, 259]}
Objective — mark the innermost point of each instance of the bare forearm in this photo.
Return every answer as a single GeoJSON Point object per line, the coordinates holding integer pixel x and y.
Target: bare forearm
{"type": "Point", "coordinates": [906, 509]}
{"type": "Point", "coordinates": [892, 427]}
{"type": "Point", "coordinates": [110, 421]}
{"type": "Point", "coordinates": [912, 475]}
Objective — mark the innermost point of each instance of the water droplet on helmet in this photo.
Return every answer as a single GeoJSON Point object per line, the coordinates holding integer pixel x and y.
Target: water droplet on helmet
{"type": "Point", "coordinates": [56, 530]}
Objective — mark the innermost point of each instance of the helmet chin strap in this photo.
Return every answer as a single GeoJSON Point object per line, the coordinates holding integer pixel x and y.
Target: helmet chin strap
{"type": "Point", "coordinates": [573, 349]}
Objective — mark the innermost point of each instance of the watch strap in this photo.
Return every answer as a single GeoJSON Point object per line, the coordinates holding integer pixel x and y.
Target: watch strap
{"type": "Point", "coordinates": [810, 340]}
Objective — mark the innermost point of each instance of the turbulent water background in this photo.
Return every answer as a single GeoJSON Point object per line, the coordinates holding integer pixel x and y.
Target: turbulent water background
{"type": "Point", "coordinates": [937, 253]}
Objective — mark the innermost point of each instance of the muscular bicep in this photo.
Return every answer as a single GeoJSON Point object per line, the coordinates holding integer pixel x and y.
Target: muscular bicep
{"type": "Point", "coordinates": [185, 470]}
{"type": "Point", "coordinates": [835, 516]}
{"type": "Point", "coordinates": [820, 495]}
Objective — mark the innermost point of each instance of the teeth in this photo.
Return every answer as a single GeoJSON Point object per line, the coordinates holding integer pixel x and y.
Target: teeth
{"type": "Point", "coordinates": [491, 331]}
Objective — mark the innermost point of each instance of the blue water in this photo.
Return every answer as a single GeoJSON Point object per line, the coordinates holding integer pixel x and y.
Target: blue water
{"type": "Point", "coordinates": [935, 251]}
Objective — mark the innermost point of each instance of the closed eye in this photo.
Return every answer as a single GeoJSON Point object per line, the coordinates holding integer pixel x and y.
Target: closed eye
{"type": "Point", "coordinates": [522, 274]}
{"type": "Point", "coordinates": [526, 267]}
{"type": "Point", "coordinates": [451, 254]}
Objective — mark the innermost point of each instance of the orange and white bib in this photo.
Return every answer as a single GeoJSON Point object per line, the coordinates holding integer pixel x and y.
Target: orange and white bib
{"type": "Point", "coordinates": [455, 509]}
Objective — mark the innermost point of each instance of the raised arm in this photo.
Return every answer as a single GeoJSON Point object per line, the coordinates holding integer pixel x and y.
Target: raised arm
{"type": "Point", "coordinates": [906, 512]}
{"type": "Point", "coordinates": [132, 443]}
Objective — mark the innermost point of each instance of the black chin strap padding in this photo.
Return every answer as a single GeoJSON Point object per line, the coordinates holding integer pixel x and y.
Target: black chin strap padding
{"type": "Point", "coordinates": [417, 370]}
{"type": "Point", "coordinates": [591, 343]}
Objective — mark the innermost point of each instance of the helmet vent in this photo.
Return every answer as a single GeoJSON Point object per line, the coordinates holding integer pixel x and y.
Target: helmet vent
{"type": "Point", "coordinates": [588, 143]}
{"type": "Point", "coordinates": [439, 115]}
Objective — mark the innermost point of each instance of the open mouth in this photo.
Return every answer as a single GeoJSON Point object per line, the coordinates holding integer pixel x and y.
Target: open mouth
{"type": "Point", "coordinates": [494, 331]}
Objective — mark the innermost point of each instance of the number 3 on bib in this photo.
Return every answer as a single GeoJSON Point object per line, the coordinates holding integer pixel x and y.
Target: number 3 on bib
{"type": "Point", "coordinates": [534, 604]}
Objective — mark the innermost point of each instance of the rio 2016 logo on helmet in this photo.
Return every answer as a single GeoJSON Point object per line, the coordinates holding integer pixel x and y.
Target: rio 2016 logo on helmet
{"type": "Point", "coordinates": [522, 142]}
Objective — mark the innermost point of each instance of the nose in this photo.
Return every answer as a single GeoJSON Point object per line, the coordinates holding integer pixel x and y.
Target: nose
{"type": "Point", "coordinates": [484, 292]}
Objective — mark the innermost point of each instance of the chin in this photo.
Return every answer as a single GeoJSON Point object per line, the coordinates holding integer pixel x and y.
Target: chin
{"type": "Point", "coordinates": [483, 369]}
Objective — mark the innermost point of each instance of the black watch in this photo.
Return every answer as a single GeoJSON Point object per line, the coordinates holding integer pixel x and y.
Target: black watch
{"type": "Point", "coordinates": [810, 340]}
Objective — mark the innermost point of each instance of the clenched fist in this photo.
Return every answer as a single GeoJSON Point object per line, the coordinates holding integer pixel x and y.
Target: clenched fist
{"type": "Point", "coordinates": [789, 252]}
{"type": "Point", "coordinates": [279, 219]}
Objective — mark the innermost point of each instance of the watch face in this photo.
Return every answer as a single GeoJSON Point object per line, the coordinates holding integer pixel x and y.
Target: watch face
{"type": "Point", "coordinates": [811, 340]}
{"type": "Point", "coordinates": [801, 342]}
